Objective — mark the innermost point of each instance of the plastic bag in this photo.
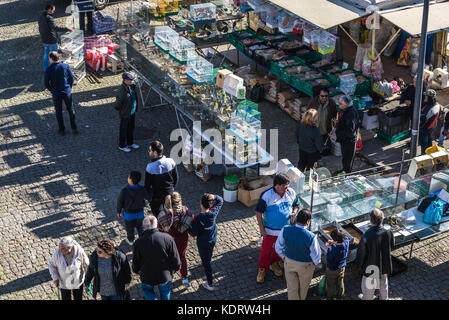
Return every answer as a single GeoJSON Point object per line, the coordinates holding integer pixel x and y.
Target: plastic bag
{"type": "Point", "coordinates": [361, 52]}
{"type": "Point", "coordinates": [434, 212]}
{"type": "Point", "coordinates": [404, 57]}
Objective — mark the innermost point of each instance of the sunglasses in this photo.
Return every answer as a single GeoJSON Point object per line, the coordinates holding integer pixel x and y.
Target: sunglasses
{"type": "Point", "coordinates": [323, 96]}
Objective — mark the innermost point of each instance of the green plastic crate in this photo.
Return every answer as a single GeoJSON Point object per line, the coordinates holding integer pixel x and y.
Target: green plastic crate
{"type": "Point", "coordinates": [394, 138]}
{"type": "Point", "coordinates": [247, 104]}
{"type": "Point", "coordinates": [277, 69]}
{"type": "Point", "coordinates": [310, 56]}
{"type": "Point", "coordinates": [305, 85]}
{"type": "Point", "coordinates": [362, 88]}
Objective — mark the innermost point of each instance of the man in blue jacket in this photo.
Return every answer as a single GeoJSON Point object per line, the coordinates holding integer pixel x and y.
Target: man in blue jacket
{"type": "Point", "coordinates": [48, 31]}
{"type": "Point", "coordinates": [59, 81]}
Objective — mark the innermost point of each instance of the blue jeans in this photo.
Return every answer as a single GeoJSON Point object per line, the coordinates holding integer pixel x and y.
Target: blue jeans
{"type": "Point", "coordinates": [205, 251]}
{"type": "Point", "coordinates": [441, 138]}
{"type": "Point", "coordinates": [111, 298]}
{"type": "Point", "coordinates": [47, 49]}
{"type": "Point", "coordinates": [164, 290]}
{"type": "Point", "coordinates": [425, 139]}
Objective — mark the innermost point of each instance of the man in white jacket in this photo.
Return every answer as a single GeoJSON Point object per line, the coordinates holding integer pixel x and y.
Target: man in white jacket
{"type": "Point", "coordinates": [67, 267]}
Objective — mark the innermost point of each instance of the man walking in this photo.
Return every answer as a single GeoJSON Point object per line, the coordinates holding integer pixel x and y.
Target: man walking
{"type": "Point", "coordinates": [130, 205]}
{"type": "Point", "coordinates": [374, 257]}
{"type": "Point", "coordinates": [299, 249]}
{"type": "Point", "coordinates": [276, 208]}
{"type": "Point", "coordinates": [48, 31]}
{"type": "Point", "coordinates": [161, 176]}
{"type": "Point", "coordinates": [59, 81]}
{"type": "Point", "coordinates": [155, 257]}
{"type": "Point", "coordinates": [346, 132]}
{"type": "Point", "coordinates": [127, 104]}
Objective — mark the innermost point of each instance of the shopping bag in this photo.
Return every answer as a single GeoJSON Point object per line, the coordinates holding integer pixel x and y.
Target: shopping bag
{"type": "Point", "coordinates": [322, 287]}
{"type": "Point", "coordinates": [425, 203]}
{"type": "Point", "coordinates": [434, 212]}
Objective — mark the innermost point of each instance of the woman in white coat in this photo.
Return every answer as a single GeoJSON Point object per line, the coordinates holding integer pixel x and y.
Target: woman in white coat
{"type": "Point", "coordinates": [68, 267]}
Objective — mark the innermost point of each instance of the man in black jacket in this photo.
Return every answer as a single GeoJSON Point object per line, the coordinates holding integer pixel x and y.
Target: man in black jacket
{"type": "Point", "coordinates": [127, 104]}
{"type": "Point", "coordinates": [155, 258]}
{"type": "Point", "coordinates": [430, 112]}
{"type": "Point", "coordinates": [374, 257]}
{"type": "Point", "coordinates": [346, 132]}
{"type": "Point", "coordinates": [48, 31]}
{"type": "Point", "coordinates": [130, 205]}
{"type": "Point", "coordinates": [161, 176]}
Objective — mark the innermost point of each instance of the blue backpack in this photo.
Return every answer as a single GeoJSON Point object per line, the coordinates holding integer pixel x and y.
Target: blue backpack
{"type": "Point", "coordinates": [434, 212]}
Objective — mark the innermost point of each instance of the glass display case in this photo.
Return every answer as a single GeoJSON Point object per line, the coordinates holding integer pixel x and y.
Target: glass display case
{"type": "Point", "coordinates": [182, 50]}
{"type": "Point", "coordinates": [199, 70]}
{"type": "Point", "coordinates": [164, 37]}
{"type": "Point", "coordinates": [203, 12]}
{"type": "Point", "coordinates": [72, 41]}
{"type": "Point", "coordinates": [72, 53]}
{"type": "Point", "coordinates": [162, 8]}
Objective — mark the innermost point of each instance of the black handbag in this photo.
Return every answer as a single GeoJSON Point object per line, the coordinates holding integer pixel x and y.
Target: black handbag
{"type": "Point", "coordinates": [425, 203]}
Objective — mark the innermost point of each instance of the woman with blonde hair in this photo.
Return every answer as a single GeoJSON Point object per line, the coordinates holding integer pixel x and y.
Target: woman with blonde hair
{"type": "Point", "coordinates": [178, 229]}
{"type": "Point", "coordinates": [309, 139]}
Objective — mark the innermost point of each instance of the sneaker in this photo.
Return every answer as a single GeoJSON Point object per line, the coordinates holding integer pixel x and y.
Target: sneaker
{"type": "Point", "coordinates": [186, 282]}
{"type": "Point", "coordinates": [275, 268]}
{"type": "Point", "coordinates": [129, 242]}
{"type": "Point", "coordinates": [134, 146]}
{"type": "Point", "coordinates": [208, 287]}
{"type": "Point", "coordinates": [261, 275]}
{"type": "Point", "coordinates": [126, 149]}
{"type": "Point", "coordinates": [75, 131]}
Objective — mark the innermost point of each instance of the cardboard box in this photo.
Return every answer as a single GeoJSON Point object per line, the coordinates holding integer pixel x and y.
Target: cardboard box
{"type": "Point", "coordinates": [250, 197]}
{"type": "Point", "coordinates": [221, 75]}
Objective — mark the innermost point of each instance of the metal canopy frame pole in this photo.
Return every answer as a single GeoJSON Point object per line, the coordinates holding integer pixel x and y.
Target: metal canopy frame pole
{"type": "Point", "coordinates": [419, 81]}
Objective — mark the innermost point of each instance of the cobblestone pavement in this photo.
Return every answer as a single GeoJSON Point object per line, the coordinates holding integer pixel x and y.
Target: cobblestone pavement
{"type": "Point", "coordinates": [52, 186]}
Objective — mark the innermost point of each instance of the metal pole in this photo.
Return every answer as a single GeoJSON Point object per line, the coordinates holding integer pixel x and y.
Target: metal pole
{"type": "Point", "coordinates": [400, 177]}
{"type": "Point", "coordinates": [419, 81]}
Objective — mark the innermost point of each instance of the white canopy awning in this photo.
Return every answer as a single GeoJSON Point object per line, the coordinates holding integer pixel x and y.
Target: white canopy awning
{"type": "Point", "coordinates": [322, 13]}
{"type": "Point", "coordinates": [410, 19]}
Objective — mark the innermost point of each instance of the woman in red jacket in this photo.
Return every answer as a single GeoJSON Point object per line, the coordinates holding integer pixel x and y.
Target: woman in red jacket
{"type": "Point", "coordinates": [173, 203]}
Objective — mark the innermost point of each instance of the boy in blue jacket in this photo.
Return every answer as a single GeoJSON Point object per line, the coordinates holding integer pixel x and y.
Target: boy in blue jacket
{"type": "Point", "coordinates": [337, 252]}
{"type": "Point", "coordinates": [204, 228]}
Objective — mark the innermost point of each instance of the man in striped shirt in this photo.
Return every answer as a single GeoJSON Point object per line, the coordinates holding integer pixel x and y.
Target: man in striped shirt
{"type": "Point", "coordinates": [276, 208]}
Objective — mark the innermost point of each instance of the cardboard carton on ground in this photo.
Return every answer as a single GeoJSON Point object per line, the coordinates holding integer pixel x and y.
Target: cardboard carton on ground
{"type": "Point", "coordinates": [250, 197]}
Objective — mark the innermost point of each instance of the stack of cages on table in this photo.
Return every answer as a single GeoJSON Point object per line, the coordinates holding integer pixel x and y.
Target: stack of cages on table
{"type": "Point", "coordinates": [72, 48]}
{"type": "Point", "coordinates": [200, 71]}
{"type": "Point", "coordinates": [203, 13]}
{"type": "Point", "coordinates": [164, 37]}
{"type": "Point", "coordinates": [182, 50]}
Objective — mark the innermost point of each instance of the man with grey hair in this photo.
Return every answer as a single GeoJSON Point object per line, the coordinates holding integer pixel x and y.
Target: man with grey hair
{"type": "Point", "coordinates": [346, 131]}
{"type": "Point", "coordinates": [374, 257]}
{"type": "Point", "coordinates": [155, 258]}
{"type": "Point", "coordinates": [67, 267]}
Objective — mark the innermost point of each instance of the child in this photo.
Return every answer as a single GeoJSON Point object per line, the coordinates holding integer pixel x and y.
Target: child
{"type": "Point", "coordinates": [337, 252]}
{"type": "Point", "coordinates": [130, 204]}
{"type": "Point", "coordinates": [204, 227]}
{"type": "Point", "coordinates": [173, 202]}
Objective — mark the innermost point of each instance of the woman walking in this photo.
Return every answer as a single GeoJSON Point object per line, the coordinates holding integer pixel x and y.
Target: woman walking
{"type": "Point", "coordinates": [109, 268]}
{"type": "Point", "coordinates": [67, 267]}
{"type": "Point", "coordinates": [173, 203]}
{"type": "Point", "coordinates": [310, 141]}
{"type": "Point", "coordinates": [204, 227]}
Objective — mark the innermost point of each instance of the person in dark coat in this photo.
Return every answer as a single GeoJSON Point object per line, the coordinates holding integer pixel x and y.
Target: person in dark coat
{"type": "Point", "coordinates": [109, 268]}
{"type": "Point", "coordinates": [430, 112]}
{"type": "Point", "coordinates": [155, 259]}
{"type": "Point", "coordinates": [327, 112]}
{"type": "Point", "coordinates": [59, 81]}
{"type": "Point", "coordinates": [86, 8]}
{"type": "Point", "coordinates": [310, 141]}
{"type": "Point", "coordinates": [48, 31]}
{"type": "Point", "coordinates": [204, 228]}
{"type": "Point", "coordinates": [374, 257]}
{"type": "Point", "coordinates": [346, 132]}
{"type": "Point", "coordinates": [408, 94]}
{"type": "Point", "coordinates": [127, 104]}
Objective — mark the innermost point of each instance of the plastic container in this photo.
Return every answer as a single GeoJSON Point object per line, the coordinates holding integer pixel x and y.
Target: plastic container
{"type": "Point", "coordinates": [297, 179]}
{"type": "Point", "coordinates": [164, 37]}
{"type": "Point", "coordinates": [199, 70]}
{"type": "Point", "coordinates": [163, 8]}
{"type": "Point", "coordinates": [232, 84]}
{"type": "Point", "coordinates": [182, 50]}
{"type": "Point", "coordinates": [348, 83]}
{"type": "Point", "coordinates": [231, 182]}
{"type": "Point", "coordinates": [283, 166]}
{"type": "Point", "coordinates": [203, 12]}
{"type": "Point", "coordinates": [72, 41]}
{"type": "Point", "coordinates": [272, 19]}
{"type": "Point", "coordinates": [285, 22]}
